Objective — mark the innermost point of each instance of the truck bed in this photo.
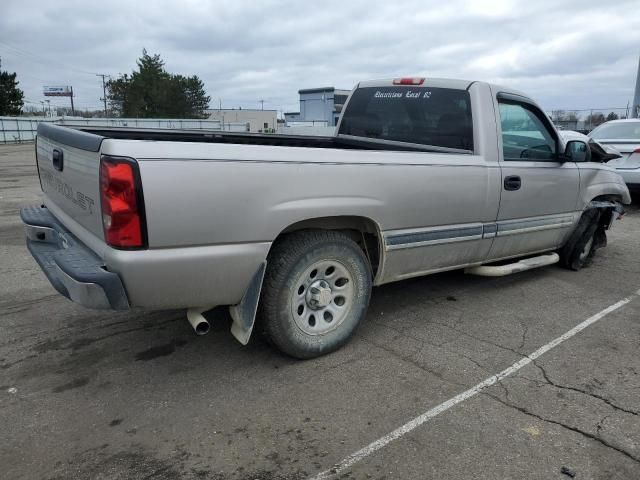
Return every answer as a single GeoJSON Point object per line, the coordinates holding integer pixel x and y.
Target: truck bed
{"type": "Point", "coordinates": [208, 136]}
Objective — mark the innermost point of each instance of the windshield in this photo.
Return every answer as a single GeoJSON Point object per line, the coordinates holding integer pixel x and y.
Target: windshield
{"type": "Point", "coordinates": [429, 116]}
{"type": "Point", "coordinates": [617, 131]}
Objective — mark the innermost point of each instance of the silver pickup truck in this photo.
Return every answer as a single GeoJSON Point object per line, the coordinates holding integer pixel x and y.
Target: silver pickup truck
{"type": "Point", "coordinates": [291, 232]}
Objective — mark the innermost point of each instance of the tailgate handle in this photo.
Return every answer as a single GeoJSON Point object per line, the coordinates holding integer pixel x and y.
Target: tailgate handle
{"type": "Point", "coordinates": [58, 159]}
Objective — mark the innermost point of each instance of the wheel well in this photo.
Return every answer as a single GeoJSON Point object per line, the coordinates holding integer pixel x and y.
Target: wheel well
{"type": "Point", "coordinates": [607, 211]}
{"type": "Point", "coordinates": [362, 230]}
{"type": "Point", "coordinates": [607, 198]}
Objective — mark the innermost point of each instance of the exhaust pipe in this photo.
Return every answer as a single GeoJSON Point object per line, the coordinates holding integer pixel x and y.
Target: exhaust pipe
{"type": "Point", "coordinates": [199, 324]}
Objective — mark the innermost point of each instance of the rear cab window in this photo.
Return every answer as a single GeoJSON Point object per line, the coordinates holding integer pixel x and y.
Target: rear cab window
{"type": "Point", "coordinates": [439, 117]}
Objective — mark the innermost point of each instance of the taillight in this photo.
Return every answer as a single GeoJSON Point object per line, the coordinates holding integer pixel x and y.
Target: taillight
{"type": "Point", "coordinates": [122, 205]}
{"type": "Point", "coordinates": [408, 81]}
{"type": "Point", "coordinates": [637, 150]}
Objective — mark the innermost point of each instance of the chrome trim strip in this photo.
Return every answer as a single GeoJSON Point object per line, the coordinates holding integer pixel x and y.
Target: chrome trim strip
{"type": "Point", "coordinates": [512, 227]}
{"type": "Point", "coordinates": [433, 242]}
{"type": "Point", "coordinates": [533, 229]}
{"type": "Point", "coordinates": [489, 230]}
{"type": "Point", "coordinates": [420, 237]}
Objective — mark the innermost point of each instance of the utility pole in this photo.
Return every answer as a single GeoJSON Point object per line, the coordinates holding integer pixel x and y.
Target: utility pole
{"type": "Point", "coordinates": [44, 113]}
{"type": "Point", "coordinates": [262, 104]}
{"type": "Point", "coordinates": [104, 92]}
{"type": "Point", "coordinates": [635, 108]}
{"type": "Point", "coordinates": [73, 110]}
{"type": "Point", "coordinates": [49, 106]}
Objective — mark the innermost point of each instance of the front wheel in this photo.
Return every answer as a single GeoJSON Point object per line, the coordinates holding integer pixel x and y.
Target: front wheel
{"type": "Point", "coordinates": [315, 293]}
{"type": "Point", "coordinates": [579, 250]}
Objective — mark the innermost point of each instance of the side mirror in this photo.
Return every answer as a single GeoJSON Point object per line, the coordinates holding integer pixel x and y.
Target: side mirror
{"type": "Point", "coordinates": [577, 151]}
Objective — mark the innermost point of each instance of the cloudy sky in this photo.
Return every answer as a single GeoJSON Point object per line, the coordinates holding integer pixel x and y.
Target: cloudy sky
{"type": "Point", "coordinates": [565, 53]}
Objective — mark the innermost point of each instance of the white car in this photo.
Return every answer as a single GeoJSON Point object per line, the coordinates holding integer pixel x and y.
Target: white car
{"type": "Point", "coordinates": [624, 136]}
{"type": "Point", "coordinates": [600, 152]}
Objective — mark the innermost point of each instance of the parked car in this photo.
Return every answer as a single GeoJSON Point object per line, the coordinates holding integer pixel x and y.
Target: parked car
{"type": "Point", "coordinates": [422, 176]}
{"type": "Point", "coordinates": [599, 152]}
{"type": "Point", "coordinates": [624, 136]}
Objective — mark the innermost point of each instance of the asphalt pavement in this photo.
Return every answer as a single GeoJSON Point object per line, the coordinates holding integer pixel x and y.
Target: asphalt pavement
{"type": "Point", "coordinates": [119, 395]}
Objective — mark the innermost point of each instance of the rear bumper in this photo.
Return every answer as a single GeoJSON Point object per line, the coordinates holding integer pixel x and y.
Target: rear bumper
{"type": "Point", "coordinates": [71, 267]}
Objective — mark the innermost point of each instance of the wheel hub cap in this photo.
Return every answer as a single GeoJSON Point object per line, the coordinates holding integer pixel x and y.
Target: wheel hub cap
{"type": "Point", "coordinates": [319, 294]}
{"type": "Point", "coordinates": [322, 297]}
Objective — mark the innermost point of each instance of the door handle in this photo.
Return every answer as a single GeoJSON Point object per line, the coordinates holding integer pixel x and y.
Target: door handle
{"type": "Point", "coordinates": [512, 182]}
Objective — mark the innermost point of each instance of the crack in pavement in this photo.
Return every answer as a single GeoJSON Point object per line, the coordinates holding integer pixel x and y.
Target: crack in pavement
{"type": "Point", "coordinates": [584, 392]}
{"type": "Point", "coordinates": [588, 435]}
{"type": "Point", "coordinates": [472, 360]}
{"type": "Point", "coordinates": [544, 372]}
{"type": "Point", "coordinates": [482, 340]}
{"type": "Point", "coordinates": [523, 340]}
{"type": "Point", "coordinates": [408, 359]}
{"type": "Point", "coordinates": [402, 333]}
{"type": "Point", "coordinates": [599, 425]}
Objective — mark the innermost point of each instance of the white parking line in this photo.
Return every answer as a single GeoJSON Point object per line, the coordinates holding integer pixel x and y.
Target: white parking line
{"type": "Point", "coordinates": [443, 407]}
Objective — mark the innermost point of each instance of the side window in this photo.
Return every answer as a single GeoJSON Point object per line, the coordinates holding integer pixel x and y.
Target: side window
{"type": "Point", "coordinates": [524, 135]}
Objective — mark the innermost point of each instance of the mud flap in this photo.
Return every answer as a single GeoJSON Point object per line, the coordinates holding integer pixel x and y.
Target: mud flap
{"type": "Point", "coordinates": [244, 313]}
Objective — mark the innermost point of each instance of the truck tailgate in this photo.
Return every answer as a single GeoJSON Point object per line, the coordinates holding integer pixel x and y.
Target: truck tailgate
{"type": "Point", "coordinates": [68, 163]}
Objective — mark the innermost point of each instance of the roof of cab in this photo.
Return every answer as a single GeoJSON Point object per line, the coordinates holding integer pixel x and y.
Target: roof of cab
{"type": "Point", "coordinates": [454, 83]}
{"type": "Point", "coordinates": [428, 82]}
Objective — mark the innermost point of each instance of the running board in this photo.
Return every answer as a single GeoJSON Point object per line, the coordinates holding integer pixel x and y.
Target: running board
{"type": "Point", "coordinates": [521, 266]}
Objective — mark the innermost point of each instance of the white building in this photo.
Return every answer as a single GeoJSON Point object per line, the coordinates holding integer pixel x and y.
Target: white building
{"type": "Point", "coordinates": [321, 106]}
{"type": "Point", "coordinates": [264, 121]}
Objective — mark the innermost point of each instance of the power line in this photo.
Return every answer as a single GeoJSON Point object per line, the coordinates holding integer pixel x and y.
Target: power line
{"type": "Point", "coordinates": [28, 75]}
{"type": "Point", "coordinates": [37, 58]}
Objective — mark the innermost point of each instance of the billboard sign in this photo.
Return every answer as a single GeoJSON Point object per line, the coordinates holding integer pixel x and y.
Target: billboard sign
{"type": "Point", "coordinates": [64, 91]}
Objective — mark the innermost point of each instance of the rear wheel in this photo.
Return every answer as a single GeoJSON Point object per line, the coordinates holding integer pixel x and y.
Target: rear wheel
{"type": "Point", "coordinates": [315, 293]}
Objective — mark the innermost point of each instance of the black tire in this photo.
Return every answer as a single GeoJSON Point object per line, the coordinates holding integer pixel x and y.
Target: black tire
{"type": "Point", "coordinates": [579, 250]}
{"type": "Point", "coordinates": [288, 275]}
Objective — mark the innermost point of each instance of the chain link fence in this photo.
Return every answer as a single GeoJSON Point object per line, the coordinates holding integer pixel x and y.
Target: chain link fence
{"type": "Point", "coordinates": [23, 129]}
{"type": "Point", "coordinates": [19, 129]}
{"type": "Point", "coordinates": [586, 120]}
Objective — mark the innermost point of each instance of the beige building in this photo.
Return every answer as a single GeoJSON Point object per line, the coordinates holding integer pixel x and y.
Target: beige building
{"type": "Point", "coordinates": [258, 120]}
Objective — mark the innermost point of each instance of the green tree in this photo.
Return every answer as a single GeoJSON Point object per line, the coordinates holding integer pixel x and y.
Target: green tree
{"type": "Point", "coordinates": [152, 92]}
{"type": "Point", "coordinates": [11, 97]}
